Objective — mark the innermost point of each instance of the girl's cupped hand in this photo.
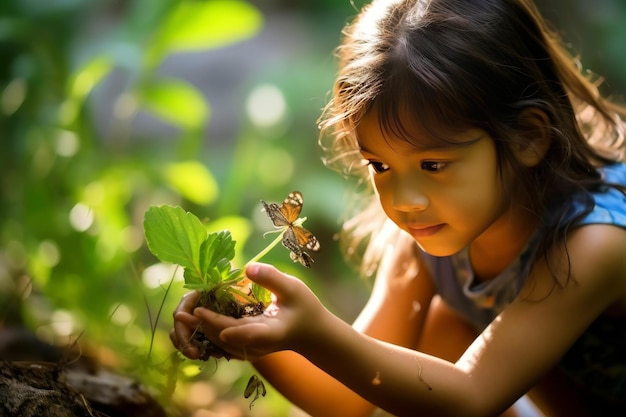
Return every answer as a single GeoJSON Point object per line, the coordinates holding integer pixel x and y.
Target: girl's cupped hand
{"type": "Point", "coordinates": [290, 321]}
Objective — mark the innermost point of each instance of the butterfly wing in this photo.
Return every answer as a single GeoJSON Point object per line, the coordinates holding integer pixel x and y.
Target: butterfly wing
{"type": "Point", "coordinates": [275, 214]}
{"type": "Point", "coordinates": [306, 239]}
{"type": "Point", "coordinates": [294, 237]}
{"type": "Point", "coordinates": [304, 258]}
{"type": "Point", "coordinates": [292, 206]}
{"type": "Point", "coordinates": [255, 386]}
{"type": "Point", "coordinates": [290, 241]}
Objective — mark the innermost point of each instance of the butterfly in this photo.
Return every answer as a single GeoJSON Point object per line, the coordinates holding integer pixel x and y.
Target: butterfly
{"type": "Point", "coordinates": [295, 237]}
{"type": "Point", "coordinates": [255, 386]}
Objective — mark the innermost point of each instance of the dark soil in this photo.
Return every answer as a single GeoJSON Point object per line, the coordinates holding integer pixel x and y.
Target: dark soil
{"type": "Point", "coordinates": [220, 301]}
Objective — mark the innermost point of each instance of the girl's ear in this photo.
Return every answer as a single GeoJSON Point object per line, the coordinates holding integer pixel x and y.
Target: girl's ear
{"type": "Point", "coordinates": [534, 127]}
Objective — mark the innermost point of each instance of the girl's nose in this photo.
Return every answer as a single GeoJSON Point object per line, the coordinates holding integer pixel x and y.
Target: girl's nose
{"type": "Point", "coordinates": [409, 196]}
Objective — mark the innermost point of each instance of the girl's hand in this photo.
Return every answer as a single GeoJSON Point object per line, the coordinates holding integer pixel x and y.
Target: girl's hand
{"type": "Point", "coordinates": [288, 322]}
{"type": "Point", "coordinates": [185, 324]}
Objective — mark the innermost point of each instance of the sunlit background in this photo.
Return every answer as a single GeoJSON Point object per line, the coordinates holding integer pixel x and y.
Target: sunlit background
{"type": "Point", "coordinates": [110, 106]}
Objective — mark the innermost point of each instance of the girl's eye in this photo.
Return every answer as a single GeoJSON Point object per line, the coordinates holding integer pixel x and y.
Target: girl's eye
{"type": "Point", "coordinates": [378, 167]}
{"type": "Point", "coordinates": [433, 166]}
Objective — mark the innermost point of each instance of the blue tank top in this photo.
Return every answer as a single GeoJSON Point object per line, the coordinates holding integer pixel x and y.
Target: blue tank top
{"type": "Point", "coordinates": [597, 361]}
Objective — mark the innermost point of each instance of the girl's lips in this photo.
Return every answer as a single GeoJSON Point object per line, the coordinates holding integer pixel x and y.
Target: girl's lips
{"type": "Point", "coordinates": [418, 231]}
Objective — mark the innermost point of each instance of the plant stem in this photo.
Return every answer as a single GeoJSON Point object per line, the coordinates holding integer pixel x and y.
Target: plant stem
{"type": "Point", "coordinates": [258, 256]}
{"type": "Point", "coordinates": [246, 297]}
{"type": "Point", "coordinates": [267, 248]}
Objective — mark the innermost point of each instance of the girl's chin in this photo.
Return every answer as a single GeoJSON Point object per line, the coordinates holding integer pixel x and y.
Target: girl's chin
{"type": "Point", "coordinates": [441, 248]}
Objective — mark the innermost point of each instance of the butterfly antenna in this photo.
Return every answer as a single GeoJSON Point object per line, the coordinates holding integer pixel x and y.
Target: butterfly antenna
{"type": "Point", "coordinates": [271, 232]}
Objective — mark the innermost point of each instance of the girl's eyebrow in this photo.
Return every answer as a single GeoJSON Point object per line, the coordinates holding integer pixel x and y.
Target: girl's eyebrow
{"type": "Point", "coordinates": [419, 149]}
{"type": "Point", "coordinates": [435, 147]}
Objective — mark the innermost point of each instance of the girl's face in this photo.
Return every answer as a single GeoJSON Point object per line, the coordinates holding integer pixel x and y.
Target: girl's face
{"type": "Point", "coordinates": [444, 197]}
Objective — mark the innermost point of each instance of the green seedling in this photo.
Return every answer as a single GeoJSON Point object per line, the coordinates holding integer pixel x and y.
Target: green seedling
{"type": "Point", "coordinates": [176, 236]}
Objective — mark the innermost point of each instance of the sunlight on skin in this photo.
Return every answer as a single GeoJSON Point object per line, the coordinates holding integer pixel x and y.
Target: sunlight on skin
{"type": "Point", "coordinates": [474, 351]}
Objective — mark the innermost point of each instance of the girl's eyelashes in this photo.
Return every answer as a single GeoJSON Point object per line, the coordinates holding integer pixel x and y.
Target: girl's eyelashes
{"type": "Point", "coordinates": [377, 167]}
{"type": "Point", "coordinates": [433, 166]}
{"type": "Point", "coordinates": [429, 166]}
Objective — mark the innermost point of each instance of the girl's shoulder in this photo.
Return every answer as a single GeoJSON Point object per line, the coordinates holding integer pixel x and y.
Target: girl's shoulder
{"type": "Point", "coordinates": [609, 202]}
{"type": "Point", "coordinates": [615, 173]}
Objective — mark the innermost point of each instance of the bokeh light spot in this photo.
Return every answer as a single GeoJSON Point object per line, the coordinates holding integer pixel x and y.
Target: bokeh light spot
{"type": "Point", "coordinates": [266, 105]}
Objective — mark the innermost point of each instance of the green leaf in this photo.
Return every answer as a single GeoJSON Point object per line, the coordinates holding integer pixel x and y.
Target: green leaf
{"type": "Point", "coordinates": [196, 25]}
{"type": "Point", "coordinates": [193, 181]}
{"type": "Point", "coordinates": [176, 102]}
{"type": "Point", "coordinates": [79, 87]}
{"type": "Point", "coordinates": [218, 245]}
{"type": "Point", "coordinates": [240, 229]}
{"type": "Point", "coordinates": [174, 235]}
{"type": "Point", "coordinates": [216, 254]}
{"type": "Point", "coordinates": [213, 277]}
{"type": "Point", "coordinates": [90, 75]}
{"type": "Point", "coordinates": [261, 294]}
{"type": "Point", "coordinates": [206, 252]}
{"type": "Point", "coordinates": [193, 280]}
{"type": "Point", "coordinates": [223, 267]}
{"type": "Point", "coordinates": [194, 286]}
{"type": "Point", "coordinates": [233, 274]}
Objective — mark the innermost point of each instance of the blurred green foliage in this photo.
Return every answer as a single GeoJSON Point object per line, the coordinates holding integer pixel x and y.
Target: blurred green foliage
{"type": "Point", "coordinates": [80, 81]}
{"type": "Point", "coordinates": [95, 129]}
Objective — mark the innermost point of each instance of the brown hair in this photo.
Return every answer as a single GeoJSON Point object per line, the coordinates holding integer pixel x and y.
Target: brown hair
{"type": "Point", "coordinates": [469, 63]}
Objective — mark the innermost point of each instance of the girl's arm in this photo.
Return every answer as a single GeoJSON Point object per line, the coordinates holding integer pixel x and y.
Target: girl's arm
{"type": "Point", "coordinates": [395, 312]}
{"type": "Point", "coordinates": [520, 346]}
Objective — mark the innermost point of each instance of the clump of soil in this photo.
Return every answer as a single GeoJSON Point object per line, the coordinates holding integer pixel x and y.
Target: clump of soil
{"type": "Point", "coordinates": [220, 300]}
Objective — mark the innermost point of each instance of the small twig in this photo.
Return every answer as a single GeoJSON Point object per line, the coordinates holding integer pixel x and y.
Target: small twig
{"type": "Point", "coordinates": [419, 374]}
{"type": "Point", "coordinates": [86, 404]}
{"type": "Point", "coordinates": [156, 318]}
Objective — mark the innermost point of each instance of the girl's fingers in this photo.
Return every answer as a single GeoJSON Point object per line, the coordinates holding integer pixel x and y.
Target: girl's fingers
{"type": "Point", "coordinates": [185, 348]}
{"type": "Point", "coordinates": [185, 324]}
{"type": "Point", "coordinates": [271, 278]}
{"type": "Point", "coordinates": [230, 330]}
{"type": "Point", "coordinates": [213, 325]}
{"type": "Point", "coordinates": [187, 302]}
{"type": "Point", "coordinates": [214, 320]}
{"type": "Point", "coordinates": [251, 333]}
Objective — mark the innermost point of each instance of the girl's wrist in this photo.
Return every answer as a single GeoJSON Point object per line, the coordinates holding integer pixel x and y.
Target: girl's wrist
{"type": "Point", "coordinates": [316, 332]}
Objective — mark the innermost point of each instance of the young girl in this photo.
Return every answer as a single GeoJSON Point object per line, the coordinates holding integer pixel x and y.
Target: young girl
{"type": "Point", "coordinates": [497, 228]}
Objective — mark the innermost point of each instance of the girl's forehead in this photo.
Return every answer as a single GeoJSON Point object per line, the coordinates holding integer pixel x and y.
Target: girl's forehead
{"type": "Point", "coordinates": [405, 132]}
{"type": "Point", "coordinates": [392, 127]}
